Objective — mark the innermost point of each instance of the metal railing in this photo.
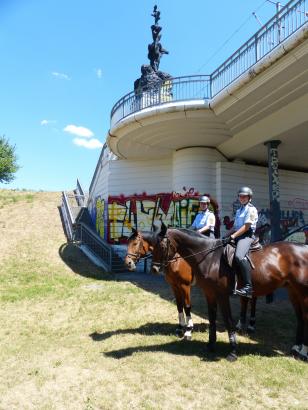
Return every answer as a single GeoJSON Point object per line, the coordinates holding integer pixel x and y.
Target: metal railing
{"type": "Point", "coordinates": [81, 196]}
{"type": "Point", "coordinates": [175, 89]}
{"type": "Point", "coordinates": [95, 243]}
{"type": "Point", "coordinates": [281, 26]}
{"type": "Point", "coordinates": [67, 217]}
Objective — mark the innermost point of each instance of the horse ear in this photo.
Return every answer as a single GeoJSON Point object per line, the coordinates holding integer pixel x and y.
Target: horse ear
{"type": "Point", "coordinates": [163, 230]}
{"type": "Point", "coordinates": [155, 228]}
{"type": "Point", "coordinates": [134, 231]}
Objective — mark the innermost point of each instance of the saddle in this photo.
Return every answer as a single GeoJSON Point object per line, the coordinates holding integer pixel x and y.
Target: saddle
{"type": "Point", "coordinates": [229, 252]}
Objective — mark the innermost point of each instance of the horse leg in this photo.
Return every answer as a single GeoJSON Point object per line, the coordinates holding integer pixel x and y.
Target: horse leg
{"type": "Point", "coordinates": [212, 312]}
{"type": "Point", "coordinates": [303, 353]}
{"type": "Point", "coordinates": [251, 328]}
{"type": "Point", "coordinates": [225, 307]}
{"type": "Point", "coordinates": [179, 304]}
{"type": "Point", "coordinates": [187, 308]}
{"type": "Point", "coordinates": [241, 324]}
{"type": "Point", "coordinates": [300, 324]}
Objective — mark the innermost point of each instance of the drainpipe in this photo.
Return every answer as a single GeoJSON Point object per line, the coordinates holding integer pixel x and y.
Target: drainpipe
{"type": "Point", "coordinates": [274, 193]}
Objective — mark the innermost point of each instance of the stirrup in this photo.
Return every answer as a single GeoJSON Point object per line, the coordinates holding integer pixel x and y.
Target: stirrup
{"type": "Point", "coordinates": [246, 292]}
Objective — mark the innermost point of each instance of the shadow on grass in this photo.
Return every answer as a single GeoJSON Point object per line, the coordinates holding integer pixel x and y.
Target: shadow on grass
{"type": "Point", "coordinates": [195, 348]}
{"type": "Point", "coordinates": [268, 344]}
{"type": "Point", "coordinates": [75, 259]}
{"type": "Point", "coordinates": [149, 329]}
{"type": "Point", "coordinates": [275, 323]}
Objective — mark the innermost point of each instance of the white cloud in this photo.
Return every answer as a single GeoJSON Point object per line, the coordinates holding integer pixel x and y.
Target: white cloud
{"type": "Point", "coordinates": [78, 130]}
{"type": "Point", "coordinates": [46, 122]}
{"type": "Point", "coordinates": [61, 76]}
{"type": "Point", "coordinates": [93, 143]}
{"type": "Point", "coordinates": [99, 73]}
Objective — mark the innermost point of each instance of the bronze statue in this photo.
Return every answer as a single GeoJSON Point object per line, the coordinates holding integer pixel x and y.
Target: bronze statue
{"type": "Point", "coordinates": [155, 49]}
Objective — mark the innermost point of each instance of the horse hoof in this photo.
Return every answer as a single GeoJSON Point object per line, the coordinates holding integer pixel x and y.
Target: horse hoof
{"type": "Point", "coordinates": [187, 337]}
{"type": "Point", "coordinates": [179, 334]}
{"type": "Point", "coordinates": [232, 357]}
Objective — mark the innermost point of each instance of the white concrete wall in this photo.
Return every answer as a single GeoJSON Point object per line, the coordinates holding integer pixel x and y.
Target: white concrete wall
{"type": "Point", "coordinates": [135, 177]}
{"type": "Point", "coordinates": [195, 167]}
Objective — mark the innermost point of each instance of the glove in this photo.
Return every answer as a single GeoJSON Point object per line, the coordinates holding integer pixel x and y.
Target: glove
{"type": "Point", "coordinates": [226, 240]}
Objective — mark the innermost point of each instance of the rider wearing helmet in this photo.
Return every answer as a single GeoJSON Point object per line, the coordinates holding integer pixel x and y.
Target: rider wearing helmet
{"type": "Point", "coordinates": [245, 222]}
{"type": "Point", "coordinates": [205, 219]}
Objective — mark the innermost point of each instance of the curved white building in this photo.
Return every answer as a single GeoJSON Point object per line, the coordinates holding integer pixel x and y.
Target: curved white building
{"type": "Point", "coordinates": [209, 137]}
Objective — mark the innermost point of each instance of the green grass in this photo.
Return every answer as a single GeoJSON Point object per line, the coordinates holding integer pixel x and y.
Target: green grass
{"type": "Point", "coordinates": [8, 197]}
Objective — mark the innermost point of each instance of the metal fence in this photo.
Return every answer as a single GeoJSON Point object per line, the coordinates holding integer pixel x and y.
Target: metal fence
{"type": "Point", "coordinates": [285, 23]}
{"type": "Point", "coordinates": [95, 243]}
{"type": "Point", "coordinates": [175, 89]}
{"type": "Point", "coordinates": [67, 217]}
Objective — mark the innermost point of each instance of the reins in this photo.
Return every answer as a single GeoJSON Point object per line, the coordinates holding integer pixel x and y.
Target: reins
{"type": "Point", "coordinates": [175, 258]}
{"type": "Point", "coordinates": [138, 256]}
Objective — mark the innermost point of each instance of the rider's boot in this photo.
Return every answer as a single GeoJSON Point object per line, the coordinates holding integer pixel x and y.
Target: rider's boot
{"type": "Point", "coordinates": [245, 271]}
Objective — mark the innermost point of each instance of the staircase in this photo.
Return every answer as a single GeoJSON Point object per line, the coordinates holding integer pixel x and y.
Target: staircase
{"type": "Point", "coordinates": [79, 228]}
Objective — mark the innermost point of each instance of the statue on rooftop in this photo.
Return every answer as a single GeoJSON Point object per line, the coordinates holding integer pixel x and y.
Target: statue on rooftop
{"type": "Point", "coordinates": [155, 49]}
{"type": "Point", "coordinates": [152, 79]}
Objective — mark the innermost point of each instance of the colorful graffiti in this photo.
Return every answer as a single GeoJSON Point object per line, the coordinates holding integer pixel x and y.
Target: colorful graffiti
{"type": "Point", "coordinates": [290, 219]}
{"type": "Point", "coordinates": [115, 220]}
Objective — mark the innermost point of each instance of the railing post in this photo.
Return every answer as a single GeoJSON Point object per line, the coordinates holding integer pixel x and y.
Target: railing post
{"type": "Point", "coordinates": [256, 49]}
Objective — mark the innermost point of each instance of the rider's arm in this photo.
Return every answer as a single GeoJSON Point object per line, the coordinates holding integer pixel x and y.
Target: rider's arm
{"type": "Point", "coordinates": [242, 230]}
{"type": "Point", "coordinates": [210, 223]}
{"type": "Point", "coordinates": [204, 228]}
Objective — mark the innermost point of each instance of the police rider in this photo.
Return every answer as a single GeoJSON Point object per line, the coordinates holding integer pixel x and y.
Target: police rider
{"type": "Point", "coordinates": [205, 219]}
{"type": "Point", "coordinates": [242, 234]}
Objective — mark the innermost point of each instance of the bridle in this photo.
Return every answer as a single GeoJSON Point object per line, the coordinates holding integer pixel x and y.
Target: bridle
{"type": "Point", "coordinates": [165, 261]}
{"type": "Point", "coordinates": [137, 256]}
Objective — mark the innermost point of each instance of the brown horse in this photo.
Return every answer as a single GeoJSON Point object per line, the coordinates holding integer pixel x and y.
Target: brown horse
{"type": "Point", "coordinates": [180, 277]}
{"type": "Point", "coordinates": [280, 264]}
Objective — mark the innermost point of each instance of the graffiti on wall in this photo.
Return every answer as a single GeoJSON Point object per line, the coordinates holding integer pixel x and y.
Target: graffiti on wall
{"type": "Point", "coordinates": [290, 219]}
{"type": "Point", "coordinates": [114, 221]}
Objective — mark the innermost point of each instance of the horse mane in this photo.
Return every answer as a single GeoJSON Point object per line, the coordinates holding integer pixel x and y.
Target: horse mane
{"type": "Point", "coordinates": [190, 232]}
{"type": "Point", "coordinates": [194, 234]}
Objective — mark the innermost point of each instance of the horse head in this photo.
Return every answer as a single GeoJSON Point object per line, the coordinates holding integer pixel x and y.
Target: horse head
{"type": "Point", "coordinates": [163, 251]}
{"type": "Point", "coordinates": [138, 246]}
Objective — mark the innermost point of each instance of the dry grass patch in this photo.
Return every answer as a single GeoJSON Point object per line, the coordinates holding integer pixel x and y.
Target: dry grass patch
{"type": "Point", "coordinates": [72, 337]}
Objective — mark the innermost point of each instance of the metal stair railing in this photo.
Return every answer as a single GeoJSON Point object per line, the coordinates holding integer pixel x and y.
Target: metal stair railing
{"type": "Point", "coordinates": [95, 243]}
{"type": "Point", "coordinates": [68, 219]}
{"type": "Point", "coordinates": [81, 197]}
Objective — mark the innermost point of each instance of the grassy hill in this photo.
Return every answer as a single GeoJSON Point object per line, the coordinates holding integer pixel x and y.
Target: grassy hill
{"type": "Point", "coordinates": [73, 337]}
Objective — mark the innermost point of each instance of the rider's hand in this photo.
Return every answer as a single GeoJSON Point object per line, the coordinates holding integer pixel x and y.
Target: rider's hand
{"type": "Point", "coordinates": [226, 240]}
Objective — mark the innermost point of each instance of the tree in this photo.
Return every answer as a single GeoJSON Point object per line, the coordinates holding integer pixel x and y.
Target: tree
{"type": "Point", "coordinates": [8, 161]}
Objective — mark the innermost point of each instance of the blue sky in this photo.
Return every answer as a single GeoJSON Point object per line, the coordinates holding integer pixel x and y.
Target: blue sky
{"type": "Point", "coordinates": [65, 63]}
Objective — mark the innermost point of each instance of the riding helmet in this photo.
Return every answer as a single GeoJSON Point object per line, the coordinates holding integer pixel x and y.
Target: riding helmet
{"type": "Point", "coordinates": [245, 190]}
{"type": "Point", "coordinates": [205, 199]}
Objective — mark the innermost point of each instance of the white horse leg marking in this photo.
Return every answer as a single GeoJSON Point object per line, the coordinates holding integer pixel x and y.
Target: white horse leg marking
{"type": "Point", "coordinates": [189, 328]}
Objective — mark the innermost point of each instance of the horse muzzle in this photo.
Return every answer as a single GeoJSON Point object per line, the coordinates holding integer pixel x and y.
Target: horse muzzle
{"type": "Point", "coordinates": [155, 267]}
{"type": "Point", "coordinates": [130, 264]}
